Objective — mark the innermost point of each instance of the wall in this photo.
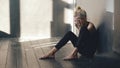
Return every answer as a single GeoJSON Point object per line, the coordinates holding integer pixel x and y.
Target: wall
{"type": "Point", "coordinates": [94, 8]}
{"type": "Point", "coordinates": [100, 12]}
{"type": "Point", "coordinates": [116, 47]}
{"type": "Point", "coordinates": [9, 18]}
{"type": "Point", "coordinates": [35, 19]}
{"type": "Point", "coordinates": [45, 18]}
{"type": "Point", "coordinates": [4, 18]}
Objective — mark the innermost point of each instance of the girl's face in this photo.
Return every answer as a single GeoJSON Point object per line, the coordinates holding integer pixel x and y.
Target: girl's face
{"type": "Point", "coordinates": [81, 20]}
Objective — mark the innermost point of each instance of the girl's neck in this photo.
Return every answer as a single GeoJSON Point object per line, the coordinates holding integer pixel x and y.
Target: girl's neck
{"type": "Point", "coordinates": [85, 23]}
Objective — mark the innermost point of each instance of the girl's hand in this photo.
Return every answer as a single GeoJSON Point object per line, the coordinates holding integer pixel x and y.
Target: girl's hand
{"type": "Point", "coordinates": [77, 25]}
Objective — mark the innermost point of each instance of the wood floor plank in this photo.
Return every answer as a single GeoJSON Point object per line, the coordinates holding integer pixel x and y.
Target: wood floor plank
{"type": "Point", "coordinates": [30, 57]}
{"type": "Point", "coordinates": [3, 52]}
{"type": "Point", "coordinates": [1, 44]}
{"type": "Point", "coordinates": [55, 63]}
{"type": "Point", "coordinates": [43, 41]}
{"type": "Point", "coordinates": [26, 55]}
{"type": "Point", "coordinates": [58, 62]}
{"type": "Point", "coordinates": [34, 42]}
{"type": "Point", "coordinates": [51, 63]}
{"type": "Point", "coordinates": [11, 58]}
{"type": "Point", "coordinates": [63, 52]}
{"type": "Point", "coordinates": [38, 54]}
{"type": "Point", "coordinates": [21, 56]}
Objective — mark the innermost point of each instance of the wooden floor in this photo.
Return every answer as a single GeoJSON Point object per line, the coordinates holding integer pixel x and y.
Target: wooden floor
{"type": "Point", "coordinates": [15, 54]}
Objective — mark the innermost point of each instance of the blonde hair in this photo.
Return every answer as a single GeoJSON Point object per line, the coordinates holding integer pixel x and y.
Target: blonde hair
{"type": "Point", "coordinates": [77, 11]}
{"type": "Point", "coordinates": [83, 14]}
{"type": "Point", "coordinates": [80, 12]}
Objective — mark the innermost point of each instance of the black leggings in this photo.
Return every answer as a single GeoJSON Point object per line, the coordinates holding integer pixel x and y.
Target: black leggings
{"type": "Point", "coordinates": [84, 42]}
{"type": "Point", "coordinates": [68, 36]}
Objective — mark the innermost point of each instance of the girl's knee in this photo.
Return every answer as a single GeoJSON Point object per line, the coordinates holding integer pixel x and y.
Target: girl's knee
{"type": "Point", "coordinates": [70, 32]}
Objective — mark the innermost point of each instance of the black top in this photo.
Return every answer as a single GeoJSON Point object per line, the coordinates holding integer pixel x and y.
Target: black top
{"type": "Point", "coordinates": [86, 41]}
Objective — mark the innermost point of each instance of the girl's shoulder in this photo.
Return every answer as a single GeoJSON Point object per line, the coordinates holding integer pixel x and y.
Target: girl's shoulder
{"type": "Point", "coordinates": [91, 26]}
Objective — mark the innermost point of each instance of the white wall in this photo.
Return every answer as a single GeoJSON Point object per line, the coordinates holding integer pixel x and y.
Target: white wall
{"type": "Point", "coordinates": [4, 16]}
{"type": "Point", "coordinates": [94, 9]}
{"type": "Point", "coordinates": [36, 16]}
{"type": "Point", "coordinates": [35, 19]}
{"type": "Point", "coordinates": [45, 18]}
{"type": "Point", "coordinates": [110, 5]}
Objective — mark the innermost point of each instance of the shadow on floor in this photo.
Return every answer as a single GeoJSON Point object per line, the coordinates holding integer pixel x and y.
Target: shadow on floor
{"type": "Point", "coordinates": [4, 35]}
{"type": "Point", "coordinates": [110, 60]}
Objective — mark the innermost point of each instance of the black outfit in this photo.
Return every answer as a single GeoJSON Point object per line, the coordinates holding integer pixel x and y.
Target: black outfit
{"type": "Point", "coordinates": [85, 42]}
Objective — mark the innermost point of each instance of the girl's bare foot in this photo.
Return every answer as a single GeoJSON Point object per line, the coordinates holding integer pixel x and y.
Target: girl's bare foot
{"type": "Point", "coordinates": [48, 57]}
{"type": "Point", "coordinates": [71, 57]}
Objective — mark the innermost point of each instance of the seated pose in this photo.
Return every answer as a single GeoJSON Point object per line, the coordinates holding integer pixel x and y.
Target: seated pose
{"type": "Point", "coordinates": [84, 43]}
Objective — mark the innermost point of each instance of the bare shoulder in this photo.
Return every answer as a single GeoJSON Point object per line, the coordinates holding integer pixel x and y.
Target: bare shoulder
{"type": "Point", "coordinates": [91, 27]}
